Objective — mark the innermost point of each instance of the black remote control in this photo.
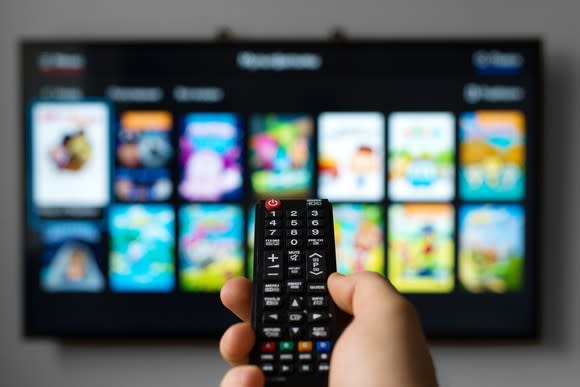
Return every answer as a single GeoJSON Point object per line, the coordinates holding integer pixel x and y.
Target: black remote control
{"type": "Point", "coordinates": [295, 320]}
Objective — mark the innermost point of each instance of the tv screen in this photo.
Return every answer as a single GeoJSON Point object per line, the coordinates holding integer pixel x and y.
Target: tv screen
{"type": "Point", "coordinates": [143, 162]}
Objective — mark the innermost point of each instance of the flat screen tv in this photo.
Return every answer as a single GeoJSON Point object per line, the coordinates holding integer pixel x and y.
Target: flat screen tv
{"type": "Point", "coordinates": [143, 162]}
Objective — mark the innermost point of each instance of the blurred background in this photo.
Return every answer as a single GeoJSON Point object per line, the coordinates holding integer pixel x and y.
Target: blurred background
{"type": "Point", "coordinates": [552, 361]}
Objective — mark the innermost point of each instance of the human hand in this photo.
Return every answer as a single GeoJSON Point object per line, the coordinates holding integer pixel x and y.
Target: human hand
{"type": "Point", "coordinates": [383, 346]}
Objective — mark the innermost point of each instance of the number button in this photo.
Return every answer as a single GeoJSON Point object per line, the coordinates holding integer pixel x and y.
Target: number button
{"type": "Point", "coordinates": [294, 242]}
{"type": "Point", "coordinates": [272, 232]}
{"type": "Point", "coordinates": [316, 223]}
{"type": "Point", "coordinates": [294, 232]}
{"type": "Point", "coordinates": [273, 214]}
{"type": "Point", "coordinates": [294, 223]}
{"type": "Point", "coordinates": [274, 223]}
{"type": "Point", "coordinates": [293, 213]}
{"type": "Point", "coordinates": [315, 214]}
{"type": "Point", "coordinates": [315, 232]}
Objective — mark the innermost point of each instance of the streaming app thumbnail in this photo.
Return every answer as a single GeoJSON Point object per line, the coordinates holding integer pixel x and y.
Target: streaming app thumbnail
{"type": "Point", "coordinates": [250, 244]}
{"type": "Point", "coordinates": [144, 140]}
{"type": "Point", "coordinates": [351, 155]}
{"type": "Point", "coordinates": [143, 185]}
{"type": "Point", "coordinates": [70, 154]}
{"type": "Point", "coordinates": [281, 155]}
{"type": "Point", "coordinates": [358, 233]}
{"type": "Point", "coordinates": [421, 156]}
{"type": "Point", "coordinates": [142, 248]}
{"type": "Point", "coordinates": [211, 246]}
{"type": "Point", "coordinates": [210, 156]}
{"type": "Point", "coordinates": [421, 248]}
{"type": "Point", "coordinates": [69, 258]}
{"type": "Point", "coordinates": [491, 248]}
{"type": "Point", "coordinates": [492, 154]}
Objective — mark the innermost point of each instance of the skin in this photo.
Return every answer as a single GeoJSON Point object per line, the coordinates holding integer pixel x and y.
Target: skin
{"type": "Point", "coordinates": [383, 346]}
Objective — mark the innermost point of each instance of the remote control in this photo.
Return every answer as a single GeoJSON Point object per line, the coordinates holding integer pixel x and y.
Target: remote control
{"type": "Point", "coordinates": [295, 320]}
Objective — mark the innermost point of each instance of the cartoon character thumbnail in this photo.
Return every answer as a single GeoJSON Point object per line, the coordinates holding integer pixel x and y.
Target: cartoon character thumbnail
{"type": "Point", "coordinates": [492, 155]}
{"type": "Point", "coordinates": [211, 151]}
{"type": "Point", "coordinates": [70, 154]}
{"type": "Point", "coordinates": [491, 248]}
{"type": "Point", "coordinates": [281, 157]}
{"type": "Point", "coordinates": [69, 258]}
{"type": "Point", "coordinates": [143, 185]}
{"type": "Point", "coordinates": [358, 234]}
{"type": "Point", "coordinates": [143, 140]}
{"type": "Point", "coordinates": [142, 248]}
{"type": "Point", "coordinates": [211, 246]}
{"type": "Point", "coordinates": [421, 156]}
{"type": "Point", "coordinates": [421, 257]}
{"type": "Point", "coordinates": [351, 156]}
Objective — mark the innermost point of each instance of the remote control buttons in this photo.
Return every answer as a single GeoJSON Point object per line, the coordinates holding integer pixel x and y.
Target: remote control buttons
{"type": "Point", "coordinates": [273, 265]}
{"type": "Point", "coordinates": [272, 302]}
{"type": "Point", "coordinates": [295, 318]}
{"type": "Point", "coordinates": [268, 368]}
{"type": "Point", "coordinates": [315, 287]}
{"type": "Point", "coordinates": [286, 346]}
{"type": "Point", "coordinates": [305, 346]}
{"type": "Point", "coordinates": [318, 317]}
{"type": "Point", "coordinates": [295, 286]}
{"type": "Point", "coordinates": [320, 332]}
{"type": "Point", "coordinates": [268, 346]}
{"type": "Point", "coordinates": [293, 327]}
{"type": "Point", "coordinates": [316, 265]}
{"type": "Point", "coordinates": [272, 332]}
{"type": "Point", "coordinates": [295, 271]}
{"type": "Point", "coordinates": [295, 303]}
{"type": "Point", "coordinates": [323, 346]}
{"type": "Point", "coordinates": [295, 332]}
{"type": "Point", "coordinates": [293, 214]}
{"type": "Point", "coordinates": [272, 204]}
{"type": "Point", "coordinates": [294, 256]}
{"type": "Point", "coordinates": [272, 288]}
{"type": "Point", "coordinates": [272, 317]}
{"type": "Point", "coordinates": [317, 301]}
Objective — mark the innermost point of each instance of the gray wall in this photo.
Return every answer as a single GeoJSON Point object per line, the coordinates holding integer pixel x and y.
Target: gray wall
{"type": "Point", "coordinates": [555, 362]}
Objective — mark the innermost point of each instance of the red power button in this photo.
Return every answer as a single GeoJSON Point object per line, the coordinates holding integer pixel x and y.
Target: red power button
{"type": "Point", "coordinates": [272, 204]}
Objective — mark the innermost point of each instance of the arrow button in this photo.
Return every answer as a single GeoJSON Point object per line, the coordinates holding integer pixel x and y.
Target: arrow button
{"type": "Point", "coordinates": [319, 316]}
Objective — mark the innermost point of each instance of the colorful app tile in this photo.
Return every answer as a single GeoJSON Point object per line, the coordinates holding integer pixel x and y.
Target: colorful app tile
{"type": "Point", "coordinates": [421, 257]}
{"type": "Point", "coordinates": [142, 248]}
{"type": "Point", "coordinates": [70, 154]}
{"type": "Point", "coordinates": [492, 155]}
{"type": "Point", "coordinates": [211, 157]}
{"type": "Point", "coordinates": [281, 157]}
{"type": "Point", "coordinates": [143, 185]}
{"type": "Point", "coordinates": [491, 248]}
{"type": "Point", "coordinates": [250, 245]}
{"type": "Point", "coordinates": [143, 140]}
{"type": "Point", "coordinates": [211, 246]}
{"type": "Point", "coordinates": [351, 156]}
{"type": "Point", "coordinates": [70, 258]}
{"type": "Point", "coordinates": [421, 156]}
{"type": "Point", "coordinates": [358, 234]}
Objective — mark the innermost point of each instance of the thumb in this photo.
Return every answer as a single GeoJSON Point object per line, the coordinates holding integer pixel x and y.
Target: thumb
{"type": "Point", "coordinates": [362, 293]}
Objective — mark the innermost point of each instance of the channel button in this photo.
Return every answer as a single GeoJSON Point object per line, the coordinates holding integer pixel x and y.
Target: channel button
{"type": "Point", "coordinates": [316, 265]}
